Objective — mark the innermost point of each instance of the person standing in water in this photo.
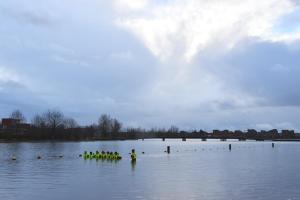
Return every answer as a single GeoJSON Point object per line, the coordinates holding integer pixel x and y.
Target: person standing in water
{"type": "Point", "coordinates": [133, 155]}
{"type": "Point", "coordinates": [85, 155]}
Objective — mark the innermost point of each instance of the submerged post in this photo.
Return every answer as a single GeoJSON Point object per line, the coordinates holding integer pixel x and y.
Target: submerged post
{"type": "Point", "coordinates": [229, 147]}
{"type": "Point", "coordinates": [168, 149]}
{"type": "Point", "coordinates": [273, 145]}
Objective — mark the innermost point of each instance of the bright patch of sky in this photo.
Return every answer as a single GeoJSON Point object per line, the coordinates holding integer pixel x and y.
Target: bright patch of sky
{"type": "Point", "coordinates": [289, 23]}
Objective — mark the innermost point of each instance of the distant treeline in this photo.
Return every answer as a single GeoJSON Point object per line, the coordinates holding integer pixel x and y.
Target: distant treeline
{"type": "Point", "coordinates": [53, 125]}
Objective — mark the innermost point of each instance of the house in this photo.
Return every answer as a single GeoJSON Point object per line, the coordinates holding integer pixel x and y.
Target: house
{"type": "Point", "coordinates": [288, 133]}
{"type": "Point", "coordinates": [10, 123]}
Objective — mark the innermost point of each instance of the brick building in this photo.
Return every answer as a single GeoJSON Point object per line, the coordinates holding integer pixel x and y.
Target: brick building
{"type": "Point", "coordinates": [8, 123]}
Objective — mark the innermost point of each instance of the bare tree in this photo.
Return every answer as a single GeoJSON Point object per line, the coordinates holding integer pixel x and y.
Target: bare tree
{"type": "Point", "coordinates": [104, 124]}
{"type": "Point", "coordinates": [173, 129]}
{"type": "Point", "coordinates": [115, 126]}
{"type": "Point", "coordinates": [54, 119]}
{"type": "Point", "coordinates": [135, 130]}
{"type": "Point", "coordinates": [17, 114]}
{"type": "Point", "coordinates": [38, 121]}
{"type": "Point", "coordinates": [70, 123]}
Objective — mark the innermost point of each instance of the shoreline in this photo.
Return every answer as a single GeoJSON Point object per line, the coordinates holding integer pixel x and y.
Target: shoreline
{"type": "Point", "coordinates": [2, 141]}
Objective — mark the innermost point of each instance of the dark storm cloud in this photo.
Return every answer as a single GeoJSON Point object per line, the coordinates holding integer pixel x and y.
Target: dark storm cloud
{"type": "Point", "coordinates": [267, 70]}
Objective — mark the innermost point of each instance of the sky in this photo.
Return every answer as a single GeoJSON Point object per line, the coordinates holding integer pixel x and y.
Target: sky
{"type": "Point", "coordinates": [196, 64]}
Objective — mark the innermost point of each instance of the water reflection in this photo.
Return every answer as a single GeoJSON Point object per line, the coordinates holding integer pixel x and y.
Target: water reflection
{"type": "Point", "coordinates": [133, 164]}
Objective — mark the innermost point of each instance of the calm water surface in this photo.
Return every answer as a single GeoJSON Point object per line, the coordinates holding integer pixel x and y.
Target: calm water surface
{"type": "Point", "coordinates": [193, 170]}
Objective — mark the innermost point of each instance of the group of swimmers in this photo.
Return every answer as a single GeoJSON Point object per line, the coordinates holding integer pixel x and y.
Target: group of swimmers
{"type": "Point", "coordinates": [107, 155]}
{"type": "Point", "coordinates": [103, 155]}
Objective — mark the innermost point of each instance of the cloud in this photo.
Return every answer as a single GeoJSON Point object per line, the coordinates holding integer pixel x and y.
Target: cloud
{"type": "Point", "coordinates": [188, 27]}
{"type": "Point", "coordinates": [32, 17]}
{"type": "Point", "coordinates": [216, 58]}
{"type": "Point", "coordinates": [270, 126]}
{"type": "Point", "coordinates": [279, 68]}
{"type": "Point", "coordinates": [70, 61]}
{"type": "Point", "coordinates": [35, 19]}
{"type": "Point", "coordinates": [135, 5]}
{"type": "Point", "coordinates": [126, 55]}
{"type": "Point", "coordinates": [15, 95]}
{"type": "Point", "coordinates": [262, 69]}
{"type": "Point", "coordinates": [192, 63]}
{"type": "Point", "coordinates": [7, 75]}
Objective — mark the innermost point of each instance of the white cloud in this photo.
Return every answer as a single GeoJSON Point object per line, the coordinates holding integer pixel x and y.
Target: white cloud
{"type": "Point", "coordinates": [71, 61]}
{"type": "Point", "coordinates": [124, 5]}
{"type": "Point", "coordinates": [188, 27]}
{"type": "Point", "coordinates": [286, 37]}
{"type": "Point", "coordinates": [8, 75]}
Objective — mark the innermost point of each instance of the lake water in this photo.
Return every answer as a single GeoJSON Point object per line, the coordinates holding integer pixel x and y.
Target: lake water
{"type": "Point", "coordinates": [193, 170]}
